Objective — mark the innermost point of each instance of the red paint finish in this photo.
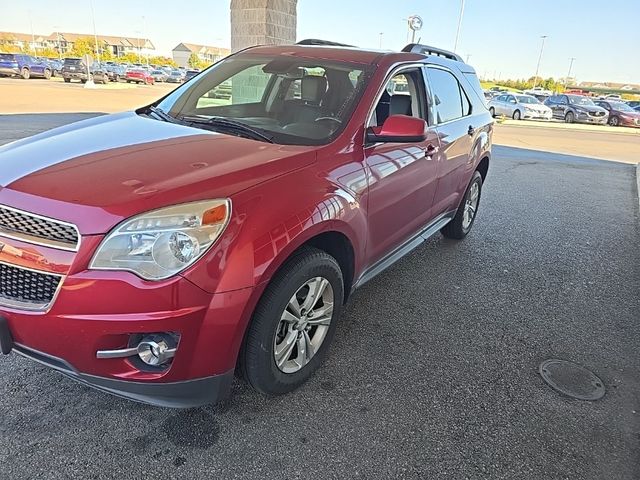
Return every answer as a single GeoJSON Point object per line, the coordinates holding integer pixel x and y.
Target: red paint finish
{"type": "Point", "coordinates": [97, 173]}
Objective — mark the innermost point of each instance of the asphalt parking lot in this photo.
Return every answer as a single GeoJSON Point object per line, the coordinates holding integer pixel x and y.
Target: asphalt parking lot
{"type": "Point", "coordinates": [433, 372]}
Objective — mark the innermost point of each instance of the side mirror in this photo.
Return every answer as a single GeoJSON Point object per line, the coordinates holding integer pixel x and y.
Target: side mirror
{"type": "Point", "coordinates": [398, 129]}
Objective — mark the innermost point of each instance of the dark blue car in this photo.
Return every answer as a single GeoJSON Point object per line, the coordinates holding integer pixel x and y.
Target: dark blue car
{"type": "Point", "coordinates": [25, 66]}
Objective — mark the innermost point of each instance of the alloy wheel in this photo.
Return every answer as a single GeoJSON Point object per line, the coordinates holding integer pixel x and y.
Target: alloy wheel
{"type": "Point", "coordinates": [303, 325]}
{"type": "Point", "coordinates": [471, 205]}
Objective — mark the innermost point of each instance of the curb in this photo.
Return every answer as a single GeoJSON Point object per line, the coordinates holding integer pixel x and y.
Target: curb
{"type": "Point", "coordinates": [563, 126]}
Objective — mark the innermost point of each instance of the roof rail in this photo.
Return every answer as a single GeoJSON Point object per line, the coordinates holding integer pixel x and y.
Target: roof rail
{"type": "Point", "coordinates": [315, 41]}
{"type": "Point", "coordinates": [427, 50]}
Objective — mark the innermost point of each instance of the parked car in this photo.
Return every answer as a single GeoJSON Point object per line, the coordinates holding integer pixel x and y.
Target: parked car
{"type": "Point", "coordinates": [633, 103]}
{"type": "Point", "coordinates": [227, 237]}
{"type": "Point", "coordinates": [76, 69]}
{"type": "Point", "coordinates": [614, 97]}
{"type": "Point", "coordinates": [55, 65]}
{"type": "Point", "coordinates": [576, 108]}
{"type": "Point", "coordinates": [620, 114]}
{"type": "Point", "coordinates": [25, 66]}
{"type": "Point", "coordinates": [190, 74]}
{"type": "Point", "coordinates": [518, 106]}
{"type": "Point", "coordinates": [159, 76]}
{"type": "Point", "coordinates": [538, 91]}
{"type": "Point", "coordinates": [115, 71]}
{"type": "Point", "coordinates": [139, 75]}
{"type": "Point", "coordinates": [175, 77]}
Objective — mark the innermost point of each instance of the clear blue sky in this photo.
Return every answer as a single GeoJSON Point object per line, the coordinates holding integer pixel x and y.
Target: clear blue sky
{"type": "Point", "coordinates": [502, 37]}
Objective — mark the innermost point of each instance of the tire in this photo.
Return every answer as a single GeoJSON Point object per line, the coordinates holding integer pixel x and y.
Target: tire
{"type": "Point", "coordinates": [517, 115]}
{"type": "Point", "coordinates": [459, 227]}
{"type": "Point", "coordinates": [492, 111]}
{"type": "Point", "coordinates": [24, 73]}
{"type": "Point", "coordinates": [614, 121]}
{"type": "Point", "coordinates": [67, 80]}
{"type": "Point", "coordinates": [257, 360]}
{"type": "Point", "coordinates": [569, 117]}
{"type": "Point", "coordinates": [47, 74]}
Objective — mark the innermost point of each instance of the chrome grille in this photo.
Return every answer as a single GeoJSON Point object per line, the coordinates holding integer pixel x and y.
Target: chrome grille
{"type": "Point", "coordinates": [36, 229]}
{"type": "Point", "coordinates": [28, 289]}
{"type": "Point", "coordinates": [596, 114]}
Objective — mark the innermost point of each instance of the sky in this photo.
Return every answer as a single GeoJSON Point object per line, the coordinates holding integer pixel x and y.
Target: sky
{"type": "Point", "coordinates": [500, 37]}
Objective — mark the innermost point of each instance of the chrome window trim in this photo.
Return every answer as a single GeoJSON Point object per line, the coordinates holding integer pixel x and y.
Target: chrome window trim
{"type": "Point", "coordinates": [33, 307]}
{"type": "Point", "coordinates": [38, 240]}
{"type": "Point", "coordinates": [395, 69]}
{"type": "Point", "coordinates": [463, 91]}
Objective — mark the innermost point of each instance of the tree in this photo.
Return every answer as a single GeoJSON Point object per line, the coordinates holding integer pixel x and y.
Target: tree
{"type": "Point", "coordinates": [83, 46]}
{"type": "Point", "coordinates": [196, 62]}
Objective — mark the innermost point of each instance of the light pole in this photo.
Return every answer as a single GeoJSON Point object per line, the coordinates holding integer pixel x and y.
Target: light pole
{"type": "Point", "coordinates": [455, 45]}
{"type": "Point", "coordinates": [144, 34]}
{"type": "Point", "coordinates": [566, 80]}
{"type": "Point", "coordinates": [139, 53]}
{"type": "Point", "coordinates": [95, 34]}
{"type": "Point", "coordinates": [535, 78]}
{"type": "Point", "coordinates": [468, 57]}
{"type": "Point", "coordinates": [381, 34]}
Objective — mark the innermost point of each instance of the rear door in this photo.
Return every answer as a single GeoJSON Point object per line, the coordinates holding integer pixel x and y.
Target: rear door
{"type": "Point", "coordinates": [457, 129]}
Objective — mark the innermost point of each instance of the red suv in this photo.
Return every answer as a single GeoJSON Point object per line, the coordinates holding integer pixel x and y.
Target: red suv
{"type": "Point", "coordinates": [151, 254]}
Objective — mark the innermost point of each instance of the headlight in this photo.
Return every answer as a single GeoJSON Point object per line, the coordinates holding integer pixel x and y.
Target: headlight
{"type": "Point", "coordinates": [161, 243]}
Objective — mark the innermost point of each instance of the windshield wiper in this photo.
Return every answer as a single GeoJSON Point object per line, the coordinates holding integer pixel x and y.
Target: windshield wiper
{"type": "Point", "coordinates": [162, 115]}
{"type": "Point", "coordinates": [230, 125]}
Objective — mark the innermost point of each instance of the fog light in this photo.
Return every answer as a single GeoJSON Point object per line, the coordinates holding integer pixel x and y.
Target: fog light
{"type": "Point", "coordinates": [156, 350]}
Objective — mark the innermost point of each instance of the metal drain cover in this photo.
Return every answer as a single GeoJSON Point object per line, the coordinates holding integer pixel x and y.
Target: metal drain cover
{"type": "Point", "coordinates": [572, 379]}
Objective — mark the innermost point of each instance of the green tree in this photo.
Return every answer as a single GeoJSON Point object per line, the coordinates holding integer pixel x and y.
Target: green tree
{"type": "Point", "coordinates": [83, 46]}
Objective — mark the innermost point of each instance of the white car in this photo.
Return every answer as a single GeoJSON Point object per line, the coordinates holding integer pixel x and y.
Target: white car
{"type": "Point", "coordinates": [518, 106]}
{"type": "Point", "coordinates": [538, 91]}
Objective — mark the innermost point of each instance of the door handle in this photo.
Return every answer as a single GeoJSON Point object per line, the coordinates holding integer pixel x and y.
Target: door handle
{"type": "Point", "coordinates": [471, 130]}
{"type": "Point", "coordinates": [430, 150]}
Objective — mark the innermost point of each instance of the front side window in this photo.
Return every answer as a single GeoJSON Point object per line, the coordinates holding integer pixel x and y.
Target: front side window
{"type": "Point", "coordinates": [447, 95]}
{"type": "Point", "coordinates": [289, 100]}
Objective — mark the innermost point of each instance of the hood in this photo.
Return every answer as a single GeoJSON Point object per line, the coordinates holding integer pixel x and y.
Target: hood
{"type": "Point", "coordinates": [97, 172]}
{"type": "Point", "coordinates": [589, 108]}
{"type": "Point", "coordinates": [634, 114]}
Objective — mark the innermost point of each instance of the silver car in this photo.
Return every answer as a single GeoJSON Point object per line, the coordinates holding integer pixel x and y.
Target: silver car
{"type": "Point", "coordinates": [518, 106]}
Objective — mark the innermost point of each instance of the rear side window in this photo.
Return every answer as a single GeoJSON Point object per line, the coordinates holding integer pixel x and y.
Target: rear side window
{"type": "Point", "coordinates": [7, 57]}
{"type": "Point", "coordinates": [447, 95]}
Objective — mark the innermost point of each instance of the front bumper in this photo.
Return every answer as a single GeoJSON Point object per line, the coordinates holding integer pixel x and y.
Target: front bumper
{"type": "Point", "coordinates": [104, 310]}
{"type": "Point", "coordinates": [536, 116]}
{"type": "Point", "coordinates": [603, 120]}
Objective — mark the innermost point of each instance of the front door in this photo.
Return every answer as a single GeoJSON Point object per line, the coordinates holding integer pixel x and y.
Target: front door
{"type": "Point", "coordinates": [402, 176]}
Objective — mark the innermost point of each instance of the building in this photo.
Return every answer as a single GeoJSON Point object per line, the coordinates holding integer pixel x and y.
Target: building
{"type": "Point", "coordinates": [63, 42]}
{"type": "Point", "coordinates": [183, 51]}
{"type": "Point", "coordinates": [22, 41]}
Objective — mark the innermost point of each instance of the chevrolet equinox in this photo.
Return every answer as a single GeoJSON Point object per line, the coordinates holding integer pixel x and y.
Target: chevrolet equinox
{"type": "Point", "coordinates": [152, 254]}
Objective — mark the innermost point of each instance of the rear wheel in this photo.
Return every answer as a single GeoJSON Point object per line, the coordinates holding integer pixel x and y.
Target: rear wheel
{"type": "Point", "coordinates": [492, 111]}
{"type": "Point", "coordinates": [461, 224]}
{"type": "Point", "coordinates": [47, 74]}
{"type": "Point", "coordinates": [293, 324]}
{"type": "Point", "coordinates": [24, 73]}
{"type": "Point", "coordinates": [516, 115]}
{"type": "Point", "coordinates": [67, 80]}
{"type": "Point", "coordinates": [569, 117]}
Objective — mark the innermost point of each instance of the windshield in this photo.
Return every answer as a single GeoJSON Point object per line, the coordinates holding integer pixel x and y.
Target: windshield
{"type": "Point", "coordinates": [578, 100]}
{"type": "Point", "coordinates": [621, 106]}
{"type": "Point", "coordinates": [527, 99]}
{"type": "Point", "coordinates": [293, 100]}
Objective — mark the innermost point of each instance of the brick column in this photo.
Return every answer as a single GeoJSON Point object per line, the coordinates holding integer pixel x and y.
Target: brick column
{"type": "Point", "coordinates": [262, 22]}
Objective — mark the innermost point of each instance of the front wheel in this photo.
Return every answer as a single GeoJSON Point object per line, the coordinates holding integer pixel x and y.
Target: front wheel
{"type": "Point", "coordinates": [67, 80]}
{"type": "Point", "coordinates": [47, 74]}
{"type": "Point", "coordinates": [25, 73]}
{"type": "Point", "coordinates": [614, 121]}
{"type": "Point", "coordinates": [569, 117]}
{"type": "Point", "coordinates": [461, 224]}
{"type": "Point", "coordinates": [517, 115]}
{"type": "Point", "coordinates": [492, 111]}
{"type": "Point", "coordinates": [293, 324]}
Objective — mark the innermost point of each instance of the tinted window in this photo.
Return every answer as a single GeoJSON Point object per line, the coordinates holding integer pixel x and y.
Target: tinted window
{"type": "Point", "coordinates": [7, 57]}
{"type": "Point", "coordinates": [446, 95]}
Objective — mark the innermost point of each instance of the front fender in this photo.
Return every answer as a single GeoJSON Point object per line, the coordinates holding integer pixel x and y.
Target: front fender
{"type": "Point", "coordinates": [271, 220]}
